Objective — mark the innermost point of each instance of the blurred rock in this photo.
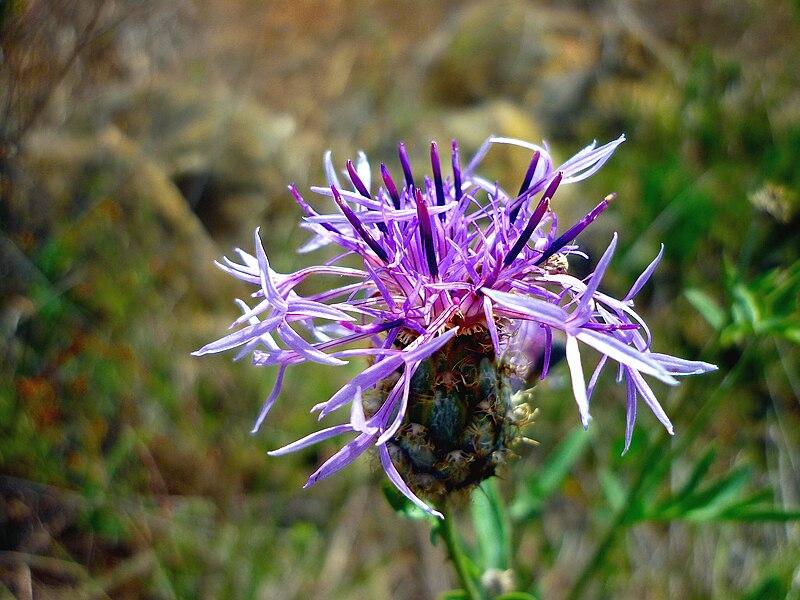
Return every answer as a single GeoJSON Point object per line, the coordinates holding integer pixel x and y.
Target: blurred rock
{"type": "Point", "coordinates": [548, 60]}
{"type": "Point", "coordinates": [230, 157]}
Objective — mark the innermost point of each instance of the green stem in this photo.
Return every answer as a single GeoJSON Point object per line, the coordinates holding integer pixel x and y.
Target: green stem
{"type": "Point", "coordinates": [447, 532]}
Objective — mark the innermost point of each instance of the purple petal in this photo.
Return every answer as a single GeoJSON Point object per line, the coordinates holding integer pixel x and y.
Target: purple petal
{"type": "Point", "coordinates": [456, 172]}
{"type": "Point", "coordinates": [409, 177]}
{"type": "Point", "coordinates": [624, 354]}
{"type": "Point", "coordinates": [330, 170]}
{"type": "Point", "coordinates": [310, 309]}
{"type": "Point", "coordinates": [362, 168]}
{"type": "Point", "coordinates": [531, 308]}
{"type": "Point", "coordinates": [597, 276]}
{"type": "Point", "coordinates": [679, 366]}
{"type": "Point", "coordinates": [650, 399]}
{"type": "Point", "coordinates": [342, 458]}
{"type": "Point", "coordinates": [311, 439]}
{"type": "Point", "coordinates": [303, 348]}
{"type": "Point", "coordinates": [405, 384]}
{"type": "Point", "coordinates": [270, 291]}
{"type": "Point", "coordinates": [645, 276]}
{"type": "Point", "coordinates": [630, 416]}
{"type": "Point", "coordinates": [398, 482]}
{"type": "Point", "coordinates": [276, 389]}
{"type": "Point", "coordinates": [240, 337]}
{"type": "Point", "coordinates": [356, 180]}
{"type": "Point", "coordinates": [588, 161]}
{"type": "Point", "coordinates": [365, 380]}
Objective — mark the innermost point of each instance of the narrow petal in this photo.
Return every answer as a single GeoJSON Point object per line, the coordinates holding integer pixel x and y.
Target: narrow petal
{"type": "Point", "coordinates": [645, 276]}
{"type": "Point", "coordinates": [531, 308]}
{"type": "Point", "coordinates": [357, 418]}
{"type": "Point", "coordinates": [650, 399]}
{"type": "Point", "coordinates": [342, 458]}
{"type": "Point", "coordinates": [630, 416]}
{"type": "Point", "coordinates": [624, 354]}
{"type": "Point", "coordinates": [394, 477]}
{"type": "Point", "coordinates": [404, 162]}
{"type": "Point", "coordinates": [356, 180]}
{"type": "Point", "coordinates": [588, 295]}
{"type": "Point", "coordinates": [578, 381]}
{"type": "Point", "coordinates": [365, 380]}
{"type": "Point", "coordinates": [240, 337]}
{"type": "Point", "coordinates": [302, 347]}
{"type": "Point", "coordinates": [362, 168]}
{"type": "Point", "coordinates": [330, 170]}
{"type": "Point", "coordinates": [270, 291]}
{"type": "Point", "coordinates": [265, 408]}
{"type": "Point", "coordinates": [311, 439]}
{"type": "Point", "coordinates": [405, 383]}
{"type": "Point", "coordinates": [588, 161]}
{"type": "Point", "coordinates": [456, 172]}
{"type": "Point", "coordinates": [679, 366]}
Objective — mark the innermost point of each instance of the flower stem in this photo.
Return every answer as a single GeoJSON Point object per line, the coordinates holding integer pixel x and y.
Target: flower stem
{"type": "Point", "coordinates": [447, 532]}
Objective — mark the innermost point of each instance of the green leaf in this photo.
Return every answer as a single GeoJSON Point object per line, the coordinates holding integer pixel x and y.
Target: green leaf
{"type": "Point", "coordinates": [696, 477]}
{"type": "Point", "coordinates": [707, 307]}
{"type": "Point", "coordinates": [454, 595]}
{"type": "Point", "coordinates": [516, 596]}
{"type": "Point", "coordinates": [403, 506]}
{"type": "Point", "coordinates": [545, 482]}
{"type": "Point", "coordinates": [490, 520]}
{"type": "Point", "coordinates": [710, 502]}
{"type": "Point", "coordinates": [770, 587]}
{"type": "Point", "coordinates": [612, 487]}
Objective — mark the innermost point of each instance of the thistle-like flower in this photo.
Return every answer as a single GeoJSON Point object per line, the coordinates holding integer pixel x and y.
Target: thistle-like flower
{"type": "Point", "coordinates": [463, 285]}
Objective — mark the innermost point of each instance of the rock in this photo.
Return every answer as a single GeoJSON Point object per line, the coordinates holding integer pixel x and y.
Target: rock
{"type": "Point", "coordinates": [543, 59]}
{"type": "Point", "coordinates": [230, 157]}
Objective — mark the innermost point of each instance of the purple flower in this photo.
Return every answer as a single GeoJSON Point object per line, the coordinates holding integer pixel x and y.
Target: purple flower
{"type": "Point", "coordinates": [456, 273]}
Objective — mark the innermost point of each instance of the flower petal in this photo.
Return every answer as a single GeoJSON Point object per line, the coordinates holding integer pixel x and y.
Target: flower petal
{"type": "Point", "coordinates": [578, 381]}
{"type": "Point", "coordinates": [401, 485]}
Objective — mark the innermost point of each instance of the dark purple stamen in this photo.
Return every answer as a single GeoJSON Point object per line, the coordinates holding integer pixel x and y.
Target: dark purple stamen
{"type": "Point", "coordinates": [308, 210]}
{"type": "Point", "coordinates": [373, 329]}
{"type": "Point", "coordinates": [362, 189]}
{"type": "Point", "coordinates": [358, 226]}
{"type": "Point", "coordinates": [526, 183]}
{"type": "Point", "coordinates": [551, 189]}
{"type": "Point", "coordinates": [456, 172]}
{"type": "Point", "coordinates": [427, 234]}
{"type": "Point", "coordinates": [536, 217]}
{"type": "Point", "coordinates": [437, 176]}
{"type": "Point", "coordinates": [406, 165]}
{"type": "Point", "coordinates": [390, 186]}
{"type": "Point", "coordinates": [575, 230]}
{"type": "Point", "coordinates": [359, 185]}
{"type": "Point", "coordinates": [610, 326]}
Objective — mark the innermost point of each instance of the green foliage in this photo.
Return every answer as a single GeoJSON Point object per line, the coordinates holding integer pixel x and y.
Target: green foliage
{"type": "Point", "coordinates": [492, 527]}
{"type": "Point", "coordinates": [764, 306]}
{"type": "Point", "coordinates": [547, 481]}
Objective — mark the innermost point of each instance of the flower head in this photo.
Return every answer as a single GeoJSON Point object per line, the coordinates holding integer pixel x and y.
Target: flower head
{"type": "Point", "coordinates": [459, 280]}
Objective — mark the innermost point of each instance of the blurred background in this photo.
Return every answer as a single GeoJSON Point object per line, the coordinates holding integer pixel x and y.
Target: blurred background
{"type": "Point", "coordinates": [142, 139]}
